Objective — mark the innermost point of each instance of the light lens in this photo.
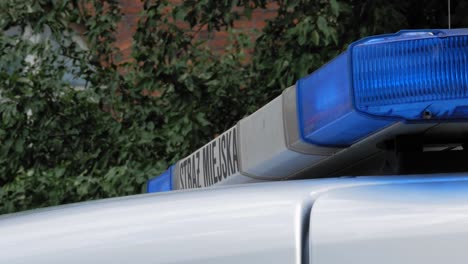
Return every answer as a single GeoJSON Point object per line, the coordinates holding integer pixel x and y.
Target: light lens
{"type": "Point", "coordinates": [412, 78]}
{"type": "Point", "coordinates": [326, 113]}
{"type": "Point", "coordinates": [161, 183]}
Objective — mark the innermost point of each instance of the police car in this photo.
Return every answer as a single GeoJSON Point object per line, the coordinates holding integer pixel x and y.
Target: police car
{"type": "Point", "coordinates": [363, 161]}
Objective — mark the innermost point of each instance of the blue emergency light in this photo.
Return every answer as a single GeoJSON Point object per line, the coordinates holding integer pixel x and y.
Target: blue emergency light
{"type": "Point", "coordinates": [410, 76]}
{"type": "Point", "coordinates": [413, 76]}
{"type": "Point", "coordinates": [162, 183]}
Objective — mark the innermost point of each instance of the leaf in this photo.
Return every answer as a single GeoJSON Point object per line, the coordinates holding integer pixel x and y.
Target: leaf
{"type": "Point", "coordinates": [179, 13]}
{"type": "Point", "coordinates": [315, 37]}
{"type": "Point", "coordinates": [322, 24]}
{"type": "Point", "coordinates": [200, 117]}
{"type": "Point", "coordinates": [301, 39]}
{"type": "Point", "coordinates": [25, 81]}
{"type": "Point", "coordinates": [19, 146]}
{"type": "Point", "coordinates": [335, 7]}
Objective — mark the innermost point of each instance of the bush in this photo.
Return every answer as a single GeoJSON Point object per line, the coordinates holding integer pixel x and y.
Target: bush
{"type": "Point", "coordinates": [126, 122]}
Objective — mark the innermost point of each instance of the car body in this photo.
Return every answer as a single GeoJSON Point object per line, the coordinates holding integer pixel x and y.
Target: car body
{"type": "Point", "coordinates": [396, 219]}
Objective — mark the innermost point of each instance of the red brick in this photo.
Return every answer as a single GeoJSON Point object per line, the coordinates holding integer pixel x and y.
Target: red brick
{"type": "Point", "coordinates": [221, 34]}
{"type": "Point", "coordinates": [131, 9]}
{"type": "Point", "coordinates": [219, 43]}
{"type": "Point", "coordinates": [269, 14]}
{"type": "Point", "coordinates": [152, 93]}
{"type": "Point", "coordinates": [260, 24]}
{"type": "Point", "coordinates": [243, 24]}
{"type": "Point", "coordinates": [272, 5]}
{"type": "Point", "coordinates": [182, 24]}
{"type": "Point", "coordinates": [203, 35]}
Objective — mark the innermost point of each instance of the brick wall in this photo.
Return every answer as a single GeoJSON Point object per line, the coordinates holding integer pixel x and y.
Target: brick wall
{"type": "Point", "coordinates": [215, 40]}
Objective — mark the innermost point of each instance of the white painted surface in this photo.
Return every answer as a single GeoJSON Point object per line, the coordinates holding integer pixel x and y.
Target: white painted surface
{"type": "Point", "coordinates": [423, 223]}
{"type": "Point", "coordinates": [214, 163]}
{"type": "Point", "coordinates": [248, 224]}
{"type": "Point", "coordinates": [263, 150]}
{"type": "Point", "coordinates": [254, 223]}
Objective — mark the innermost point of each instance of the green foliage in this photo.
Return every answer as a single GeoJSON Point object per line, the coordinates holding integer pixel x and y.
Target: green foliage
{"type": "Point", "coordinates": [130, 121]}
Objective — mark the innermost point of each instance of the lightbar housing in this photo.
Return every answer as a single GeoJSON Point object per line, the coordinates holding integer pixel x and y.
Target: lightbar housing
{"type": "Point", "coordinates": [413, 81]}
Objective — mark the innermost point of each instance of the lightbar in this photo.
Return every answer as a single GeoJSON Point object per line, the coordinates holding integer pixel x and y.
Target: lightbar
{"type": "Point", "coordinates": [379, 87]}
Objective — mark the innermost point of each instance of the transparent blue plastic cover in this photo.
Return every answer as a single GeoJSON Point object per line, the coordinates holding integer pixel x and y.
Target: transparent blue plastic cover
{"type": "Point", "coordinates": [415, 76]}
{"type": "Point", "coordinates": [412, 78]}
{"type": "Point", "coordinates": [326, 112]}
{"type": "Point", "coordinates": [161, 183]}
